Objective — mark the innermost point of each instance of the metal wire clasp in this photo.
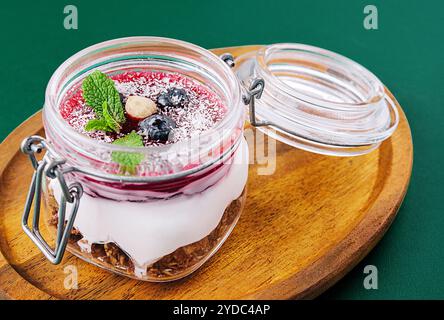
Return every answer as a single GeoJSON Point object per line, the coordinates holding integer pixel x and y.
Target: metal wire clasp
{"type": "Point", "coordinates": [254, 92]}
{"type": "Point", "coordinates": [228, 59]}
{"type": "Point", "coordinates": [51, 167]}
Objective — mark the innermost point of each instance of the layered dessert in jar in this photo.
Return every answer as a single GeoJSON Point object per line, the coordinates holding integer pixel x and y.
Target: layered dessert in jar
{"type": "Point", "coordinates": [159, 151]}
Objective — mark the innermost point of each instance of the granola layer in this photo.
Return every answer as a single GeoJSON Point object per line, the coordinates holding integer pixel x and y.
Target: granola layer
{"type": "Point", "coordinates": [177, 264]}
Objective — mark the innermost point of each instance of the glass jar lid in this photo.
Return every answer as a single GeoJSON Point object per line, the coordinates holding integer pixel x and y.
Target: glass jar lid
{"type": "Point", "coordinates": [315, 99]}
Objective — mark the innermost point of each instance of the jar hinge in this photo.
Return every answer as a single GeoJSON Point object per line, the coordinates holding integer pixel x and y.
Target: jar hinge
{"type": "Point", "coordinates": [228, 59]}
{"type": "Point", "coordinates": [253, 93]}
{"type": "Point", "coordinates": [51, 167]}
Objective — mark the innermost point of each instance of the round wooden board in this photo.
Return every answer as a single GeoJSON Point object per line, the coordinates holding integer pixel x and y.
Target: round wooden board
{"type": "Point", "coordinates": [304, 227]}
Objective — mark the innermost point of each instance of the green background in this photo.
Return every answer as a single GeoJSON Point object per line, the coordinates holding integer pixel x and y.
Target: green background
{"type": "Point", "coordinates": [406, 53]}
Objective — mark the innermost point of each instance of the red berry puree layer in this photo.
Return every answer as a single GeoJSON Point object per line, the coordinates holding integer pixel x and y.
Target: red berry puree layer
{"type": "Point", "coordinates": [161, 107]}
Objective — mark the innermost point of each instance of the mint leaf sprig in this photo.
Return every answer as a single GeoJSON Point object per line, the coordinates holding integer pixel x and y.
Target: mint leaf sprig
{"type": "Point", "coordinates": [128, 160]}
{"type": "Point", "coordinates": [101, 94]}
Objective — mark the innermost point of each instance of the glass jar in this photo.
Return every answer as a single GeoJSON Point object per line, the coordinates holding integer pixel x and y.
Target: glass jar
{"type": "Point", "coordinates": [167, 218]}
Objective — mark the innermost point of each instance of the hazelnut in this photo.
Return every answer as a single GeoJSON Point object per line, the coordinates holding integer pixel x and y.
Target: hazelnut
{"type": "Point", "coordinates": [140, 108]}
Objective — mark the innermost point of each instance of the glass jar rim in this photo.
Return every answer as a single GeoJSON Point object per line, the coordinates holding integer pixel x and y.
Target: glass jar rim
{"type": "Point", "coordinates": [51, 91]}
{"type": "Point", "coordinates": [210, 64]}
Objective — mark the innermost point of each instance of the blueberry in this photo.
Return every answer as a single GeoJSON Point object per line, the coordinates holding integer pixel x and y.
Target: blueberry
{"type": "Point", "coordinates": [157, 127]}
{"type": "Point", "coordinates": [174, 97]}
{"type": "Point", "coordinates": [177, 96]}
{"type": "Point", "coordinates": [163, 101]}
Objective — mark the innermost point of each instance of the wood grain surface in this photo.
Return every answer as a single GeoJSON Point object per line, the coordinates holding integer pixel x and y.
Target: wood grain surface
{"type": "Point", "coordinates": [303, 228]}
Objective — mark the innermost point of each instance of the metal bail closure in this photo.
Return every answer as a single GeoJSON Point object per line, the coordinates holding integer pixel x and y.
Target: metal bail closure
{"type": "Point", "coordinates": [254, 92]}
{"type": "Point", "coordinates": [51, 167]}
{"type": "Point", "coordinates": [228, 59]}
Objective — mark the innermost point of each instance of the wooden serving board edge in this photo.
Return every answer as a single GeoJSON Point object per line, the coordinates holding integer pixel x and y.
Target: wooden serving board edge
{"type": "Point", "coordinates": [359, 242]}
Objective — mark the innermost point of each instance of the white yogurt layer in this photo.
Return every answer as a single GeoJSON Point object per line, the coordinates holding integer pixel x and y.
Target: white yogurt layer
{"type": "Point", "coordinates": [147, 231]}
